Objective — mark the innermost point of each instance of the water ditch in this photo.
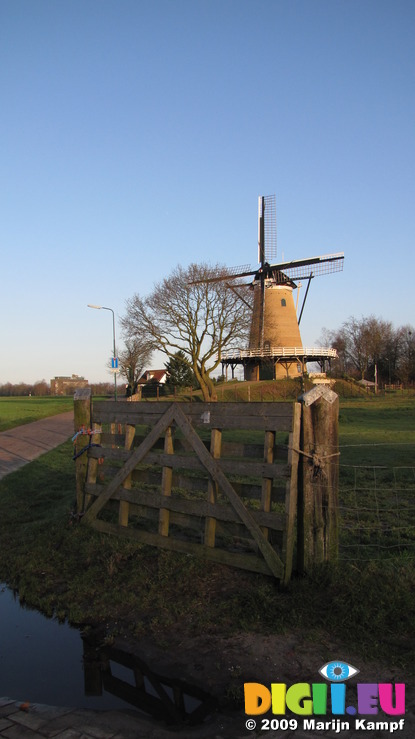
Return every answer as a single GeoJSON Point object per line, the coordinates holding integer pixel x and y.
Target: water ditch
{"type": "Point", "coordinates": [44, 661]}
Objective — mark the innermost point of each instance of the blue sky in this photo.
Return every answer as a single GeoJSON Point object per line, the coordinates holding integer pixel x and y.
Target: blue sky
{"type": "Point", "coordinates": [136, 136]}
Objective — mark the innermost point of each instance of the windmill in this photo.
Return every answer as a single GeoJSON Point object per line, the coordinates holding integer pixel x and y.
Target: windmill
{"type": "Point", "coordinates": [275, 347]}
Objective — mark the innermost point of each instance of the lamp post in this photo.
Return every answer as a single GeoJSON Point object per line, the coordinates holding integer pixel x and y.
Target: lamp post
{"type": "Point", "coordinates": [102, 307]}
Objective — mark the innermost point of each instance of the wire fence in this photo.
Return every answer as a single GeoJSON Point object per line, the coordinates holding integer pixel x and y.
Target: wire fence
{"type": "Point", "coordinates": [377, 507]}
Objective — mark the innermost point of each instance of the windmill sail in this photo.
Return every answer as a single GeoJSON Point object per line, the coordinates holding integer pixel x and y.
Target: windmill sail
{"type": "Point", "coordinates": [297, 269]}
{"type": "Point", "coordinates": [267, 229]}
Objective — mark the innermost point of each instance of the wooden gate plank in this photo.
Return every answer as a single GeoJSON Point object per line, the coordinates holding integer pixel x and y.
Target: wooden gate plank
{"type": "Point", "coordinates": [273, 561]}
{"type": "Point", "coordinates": [162, 424]}
{"type": "Point", "coordinates": [194, 508]}
{"type": "Point", "coordinates": [244, 560]}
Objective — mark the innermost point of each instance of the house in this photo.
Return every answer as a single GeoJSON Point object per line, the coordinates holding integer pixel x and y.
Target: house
{"type": "Point", "coordinates": [153, 376]}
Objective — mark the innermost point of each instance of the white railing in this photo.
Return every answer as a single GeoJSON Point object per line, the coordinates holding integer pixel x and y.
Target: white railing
{"type": "Point", "coordinates": [317, 352]}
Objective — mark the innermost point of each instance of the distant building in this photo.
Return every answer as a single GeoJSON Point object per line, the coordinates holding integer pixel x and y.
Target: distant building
{"type": "Point", "coordinates": [67, 385]}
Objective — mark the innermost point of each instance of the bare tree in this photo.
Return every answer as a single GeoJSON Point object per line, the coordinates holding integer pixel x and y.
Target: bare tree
{"type": "Point", "coordinates": [406, 354]}
{"type": "Point", "coordinates": [370, 345]}
{"type": "Point", "coordinates": [187, 312]}
{"type": "Point", "coordinates": [133, 359]}
{"type": "Point", "coordinates": [357, 337]}
{"type": "Point", "coordinates": [41, 387]}
{"type": "Point", "coordinates": [338, 341]}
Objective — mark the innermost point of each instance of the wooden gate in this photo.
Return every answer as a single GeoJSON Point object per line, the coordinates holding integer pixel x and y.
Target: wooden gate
{"type": "Point", "coordinates": [215, 480]}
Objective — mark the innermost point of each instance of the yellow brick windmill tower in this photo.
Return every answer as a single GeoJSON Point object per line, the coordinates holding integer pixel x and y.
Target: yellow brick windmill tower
{"type": "Point", "coordinates": [275, 347]}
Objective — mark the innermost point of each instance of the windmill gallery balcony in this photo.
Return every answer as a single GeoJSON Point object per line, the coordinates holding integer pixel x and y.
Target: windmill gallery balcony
{"type": "Point", "coordinates": [276, 361]}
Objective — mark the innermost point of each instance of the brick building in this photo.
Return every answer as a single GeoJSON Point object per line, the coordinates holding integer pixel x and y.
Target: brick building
{"type": "Point", "coordinates": [67, 385]}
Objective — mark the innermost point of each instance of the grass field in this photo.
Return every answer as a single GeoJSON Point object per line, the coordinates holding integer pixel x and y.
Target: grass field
{"type": "Point", "coordinates": [377, 478]}
{"type": "Point", "coordinates": [73, 572]}
{"type": "Point", "coordinates": [378, 430]}
{"type": "Point", "coordinates": [18, 411]}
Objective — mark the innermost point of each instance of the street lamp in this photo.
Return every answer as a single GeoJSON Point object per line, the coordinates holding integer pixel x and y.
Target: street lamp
{"type": "Point", "coordinates": [102, 307]}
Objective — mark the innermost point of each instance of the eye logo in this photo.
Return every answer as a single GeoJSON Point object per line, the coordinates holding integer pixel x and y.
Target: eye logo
{"type": "Point", "coordinates": [338, 671]}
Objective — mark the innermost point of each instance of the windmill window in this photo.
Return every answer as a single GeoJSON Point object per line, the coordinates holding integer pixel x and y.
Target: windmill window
{"type": "Point", "coordinates": [283, 302]}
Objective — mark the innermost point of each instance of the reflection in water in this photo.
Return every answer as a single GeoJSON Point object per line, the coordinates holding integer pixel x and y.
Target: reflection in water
{"type": "Point", "coordinates": [43, 661]}
{"type": "Point", "coordinates": [127, 676]}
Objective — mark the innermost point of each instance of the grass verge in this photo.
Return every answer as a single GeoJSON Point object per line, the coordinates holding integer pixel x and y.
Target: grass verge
{"type": "Point", "coordinates": [67, 570]}
{"type": "Point", "coordinates": [18, 411]}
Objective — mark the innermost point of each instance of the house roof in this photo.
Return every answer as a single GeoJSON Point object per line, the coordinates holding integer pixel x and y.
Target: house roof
{"type": "Point", "coordinates": [158, 375]}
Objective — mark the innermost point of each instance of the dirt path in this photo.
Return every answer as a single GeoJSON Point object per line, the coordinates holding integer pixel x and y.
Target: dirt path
{"type": "Point", "coordinates": [222, 665]}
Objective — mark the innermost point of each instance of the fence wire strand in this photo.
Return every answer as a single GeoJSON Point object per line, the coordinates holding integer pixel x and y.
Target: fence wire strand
{"type": "Point", "coordinates": [376, 510]}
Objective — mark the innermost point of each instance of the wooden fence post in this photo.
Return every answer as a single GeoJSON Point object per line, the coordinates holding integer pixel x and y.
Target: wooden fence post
{"type": "Point", "coordinates": [318, 478]}
{"type": "Point", "coordinates": [82, 421]}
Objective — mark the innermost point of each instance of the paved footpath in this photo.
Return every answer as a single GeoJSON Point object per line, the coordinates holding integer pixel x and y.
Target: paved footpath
{"type": "Point", "coordinates": [23, 444]}
{"type": "Point", "coordinates": [35, 721]}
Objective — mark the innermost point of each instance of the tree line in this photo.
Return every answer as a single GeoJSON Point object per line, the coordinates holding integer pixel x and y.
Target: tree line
{"type": "Point", "coordinates": [42, 388]}
{"type": "Point", "coordinates": [370, 348]}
